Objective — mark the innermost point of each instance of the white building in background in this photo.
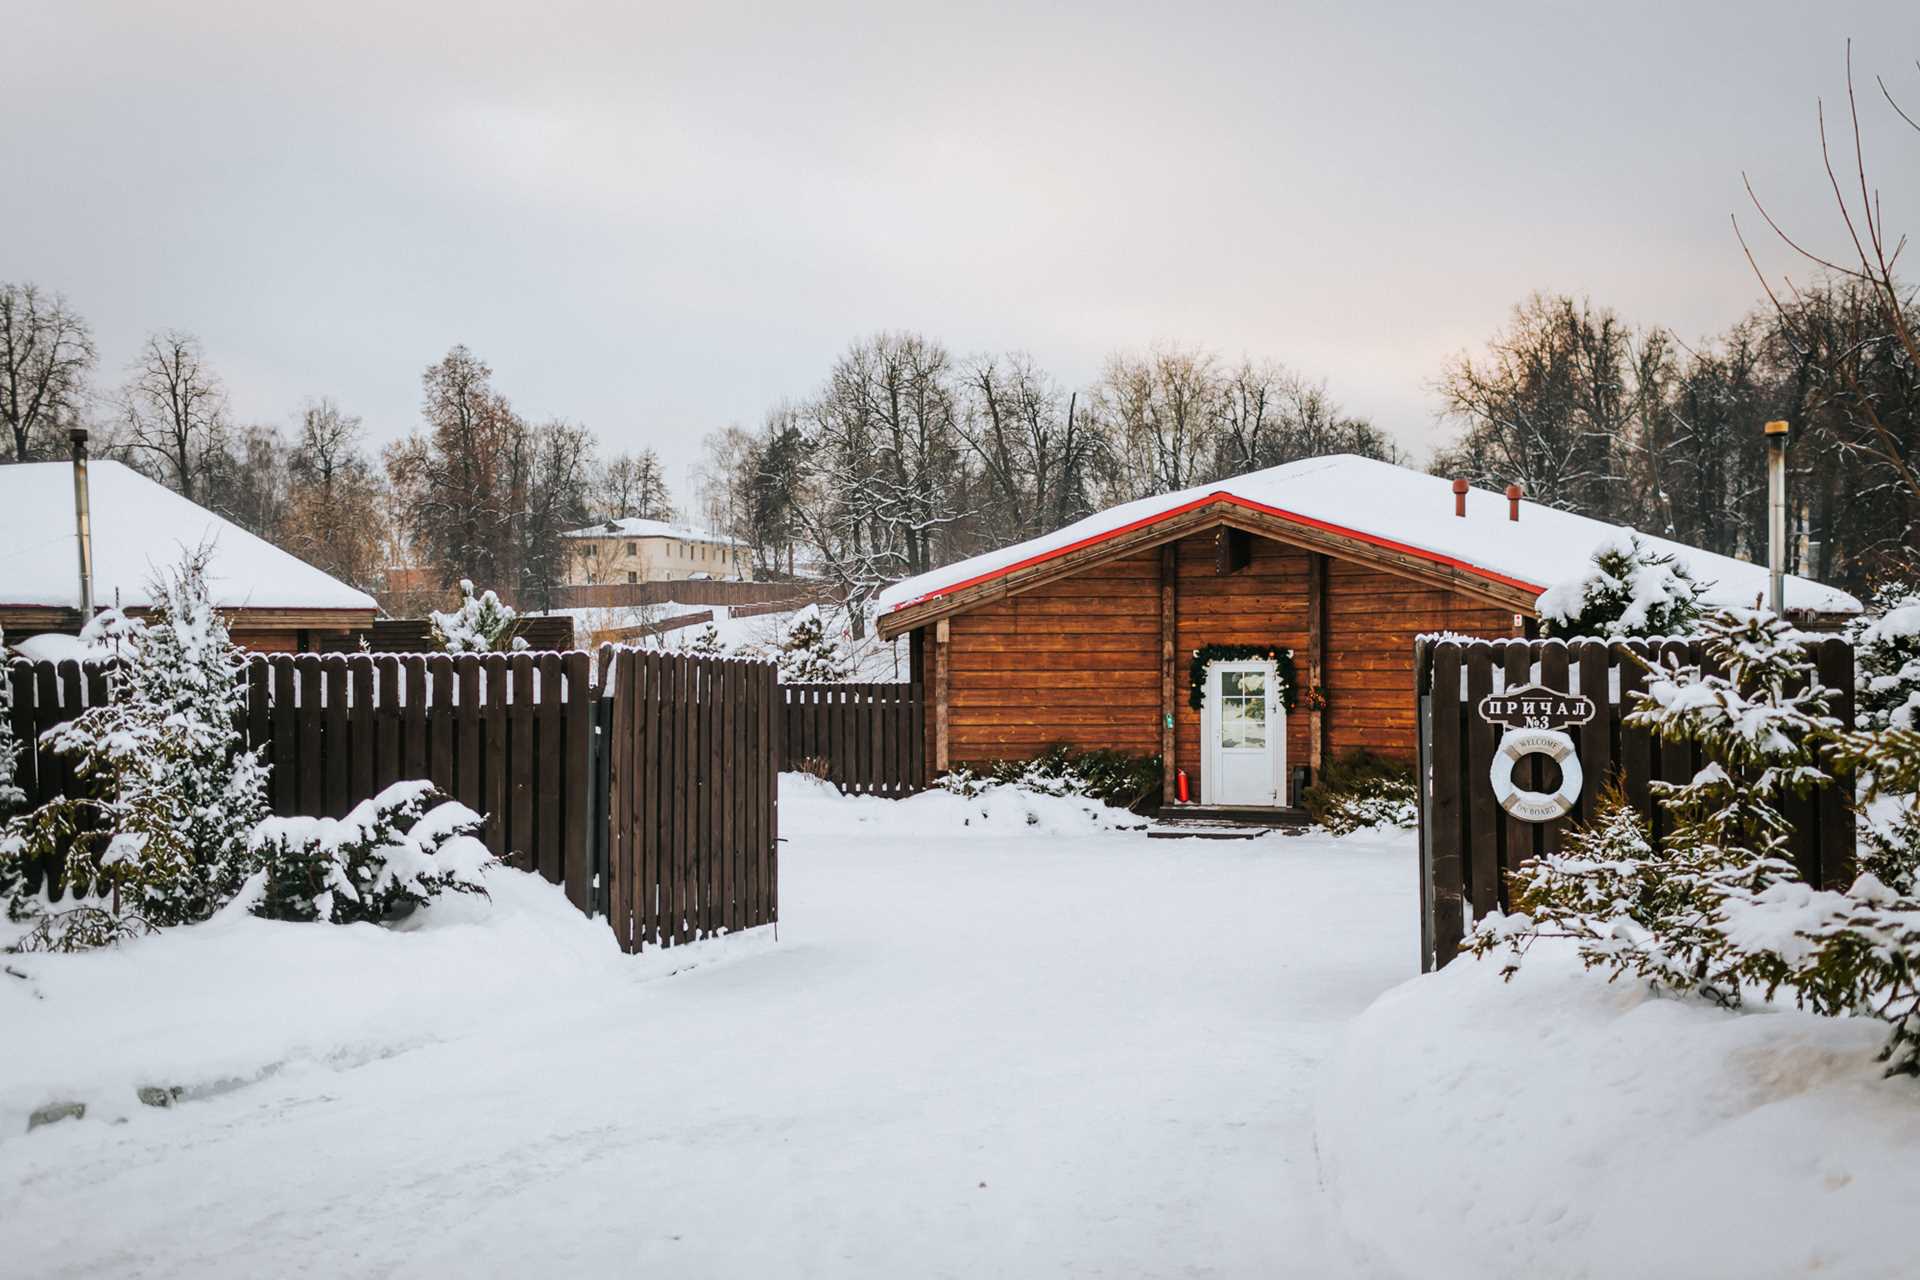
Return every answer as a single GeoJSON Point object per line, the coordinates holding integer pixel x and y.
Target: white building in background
{"type": "Point", "coordinates": [635, 550]}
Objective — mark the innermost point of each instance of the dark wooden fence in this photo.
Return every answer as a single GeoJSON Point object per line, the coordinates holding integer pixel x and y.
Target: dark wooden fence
{"type": "Point", "coordinates": [1468, 844]}
{"type": "Point", "coordinates": [869, 739]}
{"type": "Point", "coordinates": [693, 832]}
{"type": "Point", "coordinates": [518, 737]}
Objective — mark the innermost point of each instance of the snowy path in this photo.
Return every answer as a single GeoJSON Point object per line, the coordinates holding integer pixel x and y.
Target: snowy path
{"type": "Point", "coordinates": [968, 1055]}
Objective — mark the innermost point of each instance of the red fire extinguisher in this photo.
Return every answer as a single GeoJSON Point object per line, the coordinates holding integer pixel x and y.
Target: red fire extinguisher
{"type": "Point", "coordinates": [1180, 778]}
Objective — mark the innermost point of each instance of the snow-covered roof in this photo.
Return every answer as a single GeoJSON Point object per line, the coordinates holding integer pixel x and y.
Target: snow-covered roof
{"type": "Point", "coordinates": [139, 528]}
{"type": "Point", "coordinates": [1397, 507]}
{"type": "Point", "coordinates": [634, 527]}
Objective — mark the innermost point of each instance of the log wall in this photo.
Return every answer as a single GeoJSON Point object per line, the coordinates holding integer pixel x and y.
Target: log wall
{"type": "Point", "coordinates": [1075, 661]}
{"type": "Point", "coordinates": [1372, 618]}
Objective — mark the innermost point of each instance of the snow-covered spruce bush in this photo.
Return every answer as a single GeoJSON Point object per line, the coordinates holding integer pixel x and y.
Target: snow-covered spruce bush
{"type": "Point", "coordinates": [157, 832]}
{"type": "Point", "coordinates": [1630, 590]}
{"type": "Point", "coordinates": [706, 643]}
{"type": "Point", "coordinates": [1116, 778]}
{"type": "Point", "coordinates": [1361, 790]}
{"type": "Point", "coordinates": [402, 848]}
{"type": "Point", "coordinates": [1886, 660]}
{"type": "Point", "coordinates": [1717, 908]}
{"type": "Point", "coordinates": [482, 624]}
{"type": "Point", "coordinates": [808, 654]}
{"type": "Point", "coordinates": [11, 796]}
{"type": "Point", "coordinates": [1758, 718]}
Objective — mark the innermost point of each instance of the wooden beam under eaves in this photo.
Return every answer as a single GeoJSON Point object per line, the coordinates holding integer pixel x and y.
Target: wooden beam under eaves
{"type": "Point", "coordinates": [1232, 550]}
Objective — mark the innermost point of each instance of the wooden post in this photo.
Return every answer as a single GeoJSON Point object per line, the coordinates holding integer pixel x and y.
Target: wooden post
{"type": "Point", "coordinates": [941, 655]}
{"type": "Point", "coordinates": [1316, 660]}
{"type": "Point", "coordinates": [1169, 600]}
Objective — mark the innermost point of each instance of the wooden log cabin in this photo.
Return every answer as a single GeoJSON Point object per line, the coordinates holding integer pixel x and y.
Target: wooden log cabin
{"type": "Point", "coordinates": [1107, 633]}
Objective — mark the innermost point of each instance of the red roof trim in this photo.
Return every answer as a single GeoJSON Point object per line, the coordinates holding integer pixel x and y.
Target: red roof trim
{"type": "Point", "coordinates": [1237, 501]}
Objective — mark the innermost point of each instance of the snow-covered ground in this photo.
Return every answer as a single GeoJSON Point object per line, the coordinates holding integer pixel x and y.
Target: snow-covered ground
{"type": "Point", "coordinates": [1563, 1126]}
{"type": "Point", "coordinates": [979, 1048]}
{"type": "Point", "coordinates": [995, 1037]}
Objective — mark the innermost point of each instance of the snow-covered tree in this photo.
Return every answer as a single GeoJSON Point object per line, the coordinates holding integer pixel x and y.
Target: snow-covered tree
{"type": "Point", "coordinates": [1886, 658]}
{"type": "Point", "coordinates": [1717, 907]}
{"type": "Point", "coordinates": [1758, 713]}
{"type": "Point", "coordinates": [808, 653]}
{"type": "Point", "coordinates": [482, 624]}
{"type": "Point", "coordinates": [11, 796]}
{"type": "Point", "coordinates": [706, 643]}
{"type": "Point", "coordinates": [157, 832]}
{"type": "Point", "coordinates": [1629, 590]}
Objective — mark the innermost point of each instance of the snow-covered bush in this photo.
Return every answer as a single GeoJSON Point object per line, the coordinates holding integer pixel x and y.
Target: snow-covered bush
{"type": "Point", "coordinates": [157, 832]}
{"type": "Point", "coordinates": [706, 643]}
{"type": "Point", "coordinates": [1360, 790]}
{"type": "Point", "coordinates": [1886, 658]}
{"type": "Point", "coordinates": [402, 848]}
{"type": "Point", "coordinates": [482, 624]}
{"type": "Point", "coordinates": [1117, 778]}
{"type": "Point", "coordinates": [1630, 590]}
{"type": "Point", "coordinates": [808, 653]}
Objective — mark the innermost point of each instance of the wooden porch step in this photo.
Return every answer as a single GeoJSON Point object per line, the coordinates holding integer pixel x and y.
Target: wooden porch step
{"type": "Point", "coordinates": [1203, 829]}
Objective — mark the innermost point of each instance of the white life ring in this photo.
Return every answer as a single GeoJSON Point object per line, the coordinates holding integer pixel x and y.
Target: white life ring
{"type": "Point", "coordinates": [1536, 806]}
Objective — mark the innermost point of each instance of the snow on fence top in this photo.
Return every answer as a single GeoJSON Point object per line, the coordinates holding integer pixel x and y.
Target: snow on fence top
{"type": "Point", "coordinates": [1399, 507]}
{"type": "Point", "coordinates": [140, 528]}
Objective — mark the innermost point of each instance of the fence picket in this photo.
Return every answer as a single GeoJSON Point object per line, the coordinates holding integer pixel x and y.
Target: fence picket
{"type": "Point", "coordinates": [361, 731]}
{"type": "Point", "coordinates": [334, 747]}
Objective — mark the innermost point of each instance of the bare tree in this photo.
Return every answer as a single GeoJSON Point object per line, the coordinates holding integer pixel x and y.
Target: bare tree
{"type": "Point", "coordinates": [560, 476]}
{"type": "Point", "coordinates": [632, 485]}
{"type": "Point", "coordinates": [1548, 405]}
{"type": "Point", "coordinates": [1016, 423]}
{"type": "Point", "coordinates": [46, 352]}
{"type": "Point", "coordinates": [460, 484]}
{"type": "Point", "coordinates": [1160, 412]}
{"type": "Point", "coordinates": [1867, 372]}
{"type": "Point", "coordinates": [175, 412]}
{"type": "Point", "coordinates": [334, 517]}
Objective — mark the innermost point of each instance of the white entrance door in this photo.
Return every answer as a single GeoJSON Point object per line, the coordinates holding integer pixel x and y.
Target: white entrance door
{"type": "Point", "coordinates": [1245, 731]}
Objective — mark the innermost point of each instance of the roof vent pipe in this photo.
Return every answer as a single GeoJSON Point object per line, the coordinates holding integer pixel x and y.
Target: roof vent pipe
{"type": "Point", "coordinates": [1777, 434]}
{"type": "Point", "coordinates": [1460, 497]}
{"type": "Point", "coordinates": [83, 522]}
{"type": "Point", "coordinates": [1514, 494]}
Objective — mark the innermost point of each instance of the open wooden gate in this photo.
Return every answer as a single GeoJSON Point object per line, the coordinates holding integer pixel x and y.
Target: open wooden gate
{"type": "Point", "coordinates": [692, 774]}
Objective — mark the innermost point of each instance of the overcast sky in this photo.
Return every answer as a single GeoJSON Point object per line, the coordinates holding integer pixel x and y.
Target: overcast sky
{"type": "Point", "coordinates": [658, 220]}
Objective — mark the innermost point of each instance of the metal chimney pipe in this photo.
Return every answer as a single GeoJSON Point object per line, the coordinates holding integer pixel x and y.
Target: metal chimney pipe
{"type": "Point", "coordinates": [1777, 433]}
{"type": "Point", "coordinates": [83, 521]}
{"type": "Point", "coordinates": [1460, 497]}
{"type": "Point", "coordinates": [1514, 494]}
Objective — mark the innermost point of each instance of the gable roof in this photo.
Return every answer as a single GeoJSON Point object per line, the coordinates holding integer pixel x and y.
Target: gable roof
{"type": "Point", "coordinates": [1402, 511]}
{"type": "Point", "coordinates": [139, 529]}
{"type": "Point", "coordinates": [634, 527]}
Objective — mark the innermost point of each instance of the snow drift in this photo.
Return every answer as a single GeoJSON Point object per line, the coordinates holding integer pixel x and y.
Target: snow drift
{"type": "Point", "coordinates": [1564, 1126]}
